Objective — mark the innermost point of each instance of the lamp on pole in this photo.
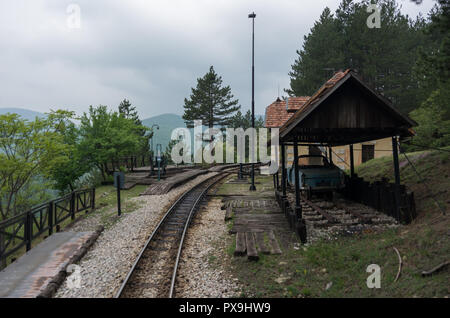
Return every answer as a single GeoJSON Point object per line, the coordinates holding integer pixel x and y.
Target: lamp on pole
{"type": "Point", "coordinates": [157, 127]}
{"type": "Point", "coordinates": [252, 151]}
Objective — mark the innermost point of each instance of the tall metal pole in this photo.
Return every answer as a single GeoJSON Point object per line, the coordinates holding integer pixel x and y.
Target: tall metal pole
{"type": "Point", "coordinates": [153, 135]}
{"type": "Point", "coordinates": [253, 16]}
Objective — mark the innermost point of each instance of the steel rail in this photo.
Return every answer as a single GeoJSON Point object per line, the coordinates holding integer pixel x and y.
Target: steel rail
{"type": "Point", "coordinates": [160, 225]}
{"type": "Point", "coordinates": [186, 226]}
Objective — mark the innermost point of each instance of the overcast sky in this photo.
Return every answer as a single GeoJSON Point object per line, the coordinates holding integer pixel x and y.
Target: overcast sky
{"type": "Point", "coordinates": [150, 52]}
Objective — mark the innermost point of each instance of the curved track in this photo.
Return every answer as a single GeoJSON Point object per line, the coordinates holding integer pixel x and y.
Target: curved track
{"type": "Point", "coordinates": [154, 272]}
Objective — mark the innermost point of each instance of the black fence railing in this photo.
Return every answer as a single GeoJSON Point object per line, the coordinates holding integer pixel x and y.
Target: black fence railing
{"type": "Point", "coordinates": [381, 195]}
{"type": "Point", "coordinates": [129, 162]}
{"type": "Point", "coordinates": [19, 231]}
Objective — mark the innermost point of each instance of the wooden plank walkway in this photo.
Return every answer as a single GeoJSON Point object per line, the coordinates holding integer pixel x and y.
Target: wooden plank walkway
{"type": "Point", "coordinates": [255, 222]}
{"type": "Point", "coordinates": [164, 186]}
{"type": "Point", "coordinates": [252, 243]}
{"type": "Point", "coordinates": [38, 272]}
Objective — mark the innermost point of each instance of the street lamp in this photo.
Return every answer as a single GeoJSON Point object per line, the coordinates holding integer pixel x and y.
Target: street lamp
{"type": "Point", "coordinates": [253, 16]}
{"type": "Point", "coordinates": [157, 127]}
{"type": "Point", "coordinates": [158, 158]}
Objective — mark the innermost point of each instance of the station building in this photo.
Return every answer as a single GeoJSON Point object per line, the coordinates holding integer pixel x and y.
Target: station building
{"type": "Point", "coordinates": [280, 111]}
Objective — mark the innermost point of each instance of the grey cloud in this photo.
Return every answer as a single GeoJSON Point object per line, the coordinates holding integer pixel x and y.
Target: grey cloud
{"type": "Point", "coordinates": [150, 52]}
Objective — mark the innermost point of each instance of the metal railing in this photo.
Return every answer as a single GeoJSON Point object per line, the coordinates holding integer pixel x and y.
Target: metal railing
{"type": "Point", "coordinates": [130, 162]}
{"type": "Point", "coordinates": [19, 231]}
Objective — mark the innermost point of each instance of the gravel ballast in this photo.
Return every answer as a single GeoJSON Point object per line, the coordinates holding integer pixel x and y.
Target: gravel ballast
{"type": "Point", "coordinates": [107, 263]}
{"type": "Point", "coordinates": [204, 267]}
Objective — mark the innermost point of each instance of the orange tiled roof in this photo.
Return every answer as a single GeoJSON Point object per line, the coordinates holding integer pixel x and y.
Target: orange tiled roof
{"type": "Point", "coordinates": [325, 88]}
{"type": "Point", "coordinates": [281, 110]}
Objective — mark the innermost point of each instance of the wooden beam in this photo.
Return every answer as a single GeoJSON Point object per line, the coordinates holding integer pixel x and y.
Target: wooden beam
{"type": "Point", "coordinates": [352, 162]}
{"type": "Point", "coordinates": [262, 247]}
{"type": "Point", "coordinates": [252, 253]}
{"type": "Point", "coordinates": [397, 176]}
{"type": "Point", "coordinates": [283, 169]}
{"type": "Point", "coordinates": [240, 244]}
{"type": "Point", "coordinates": [296, 177]}
{"type": "Point", "coordinates": [396, 162]}
{"type": "Point", "coordinates": [274, 247]}
{"type": "Point", "coordinates": [330, 154]}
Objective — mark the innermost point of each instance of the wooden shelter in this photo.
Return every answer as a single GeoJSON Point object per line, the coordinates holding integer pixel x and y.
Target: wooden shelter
{"type": "Point", "coordinates": [344, 111]}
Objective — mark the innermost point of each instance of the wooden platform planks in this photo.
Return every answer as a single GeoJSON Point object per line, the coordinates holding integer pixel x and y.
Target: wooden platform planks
{"type": "Point", "coordinates": [262, 247]}
{"type": "Point", "coordinates": [228, 214]}
{"type": "Point", "coordinates": [164, 186]}
{"type": "Point", "coordinates": [274, 247]}
{"type": "Point", "coordinates": [252, 253]}
{"type": "Point", "coordinates": [253, 243]}
{"type": "Point", "coordinates": [258, 222]}
{"type": "Point", "coordinates": [241, 245]}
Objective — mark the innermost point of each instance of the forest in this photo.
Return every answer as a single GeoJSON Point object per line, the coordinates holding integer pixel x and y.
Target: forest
{"type": "Point", "coordinates": [407, 60]}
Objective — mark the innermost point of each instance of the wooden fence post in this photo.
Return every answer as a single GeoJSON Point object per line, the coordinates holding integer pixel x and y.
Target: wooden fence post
{"type": "Point", "coordinates": [50, 218]}
{"type": "Point", "coordinates": [72, 205]}
{"type": "Point", "coordinates": [93, 198]}
{"type": "Point", "coordinates": [2, 251]}
{"type": "Point", "coordinates": [28, 231]}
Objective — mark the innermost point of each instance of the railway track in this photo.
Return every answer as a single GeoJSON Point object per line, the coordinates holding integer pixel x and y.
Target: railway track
{"type": "Point", "coordinates": [155, 270]}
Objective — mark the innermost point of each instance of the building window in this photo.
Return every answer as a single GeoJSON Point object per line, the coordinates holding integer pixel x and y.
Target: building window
{"type": "Point", "coordinates": [368, 152]}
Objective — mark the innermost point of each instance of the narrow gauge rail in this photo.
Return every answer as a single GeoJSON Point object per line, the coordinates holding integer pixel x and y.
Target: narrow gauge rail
{"type": "Point", "coordinates": [154, 272]}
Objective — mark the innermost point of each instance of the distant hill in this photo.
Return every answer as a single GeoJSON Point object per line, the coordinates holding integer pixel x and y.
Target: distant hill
{"type": "Point", "coordinates": [24, 113]}
{"type": "Point", "coordinates": [166, 123]}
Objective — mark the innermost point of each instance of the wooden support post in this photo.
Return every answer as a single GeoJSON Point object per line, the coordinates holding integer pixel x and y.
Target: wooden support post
{"type": "Point", "coordinates": [277, 181]}
{"type": "Point", "coordinates": [352, 162]}
{"type": "Point", "coordinates": [283, 169]}
{"type": "Point", "coordinates": [298, 209]}
{"type": "Point", "coordinates": [397, 175]}
{"type": "Point", "coordinates": [396, 163]}
{"type": "Point", "coordinates": [330, 155]}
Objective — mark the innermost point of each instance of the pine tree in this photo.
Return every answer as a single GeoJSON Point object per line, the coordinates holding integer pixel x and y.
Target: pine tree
{"type": "Point", "coordinates": [384, 57]}
{"type": "Point", "coordinates": [129, 111]}
{"type": "Point", "coordinates": [210, 102]}
{"type": "Point", "coordinates": [321, 54]}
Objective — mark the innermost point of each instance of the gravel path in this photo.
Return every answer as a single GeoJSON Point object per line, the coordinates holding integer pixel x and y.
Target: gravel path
{"type": "Point", "coordinates": [202, 272]}
{"type": "Point", "coordinates": [107, 263]}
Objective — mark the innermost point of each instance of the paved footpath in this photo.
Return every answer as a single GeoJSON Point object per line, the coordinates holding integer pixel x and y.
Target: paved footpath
{"type": "Point", "coordinates": [45, 263]}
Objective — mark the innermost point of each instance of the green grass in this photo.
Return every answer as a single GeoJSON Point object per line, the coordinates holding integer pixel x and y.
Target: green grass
{"type": "Point", "coordinates": [106, 202]}
{"type": "Point", "coordinates": [433, 181]}
{"type": "Point", "coordinates": [343, 262]}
